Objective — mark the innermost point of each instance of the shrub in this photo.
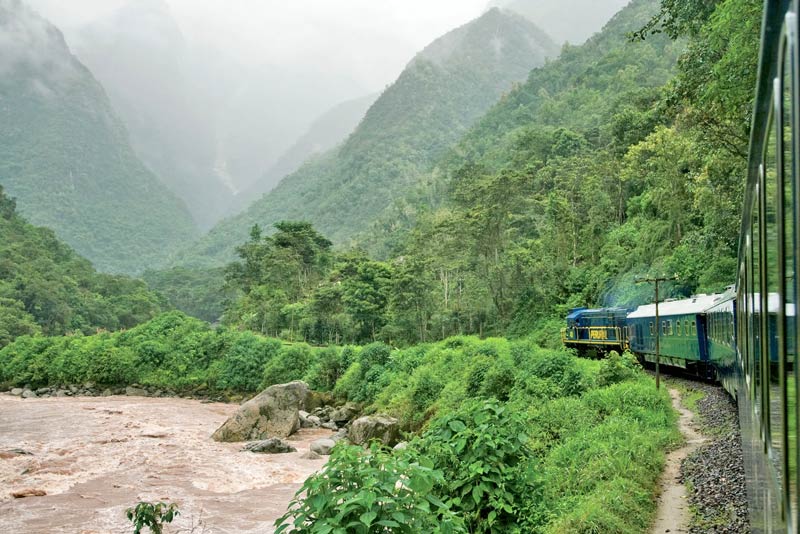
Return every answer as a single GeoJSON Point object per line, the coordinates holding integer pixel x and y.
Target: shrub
{"type": "Point", "coordinates": [242, 366]}
{"type": "Point", "coordinates": [112, 366]}
{"type": "Point", "coordinates": [291, 363]}
{"type": "Point", "coordinates": [615, 368]}
{"type": "Point", "coordinates": [370, 491]}
{"type": "Point", "coordinates": [482, 450]}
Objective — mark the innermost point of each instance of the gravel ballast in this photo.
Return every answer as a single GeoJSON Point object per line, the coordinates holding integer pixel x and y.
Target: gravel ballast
{"type": "Point", "coordinates": [714, 473]}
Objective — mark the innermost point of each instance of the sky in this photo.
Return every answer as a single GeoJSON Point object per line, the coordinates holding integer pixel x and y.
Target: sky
{"type": "Point", "coordinates": [373, 39]}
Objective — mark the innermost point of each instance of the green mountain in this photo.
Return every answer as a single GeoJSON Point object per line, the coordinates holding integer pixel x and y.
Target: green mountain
{"type": "Point", "coordinates": [46, 287]}
{"type": "Point", "coordinates": [65, 155]}
{"type": "Point", "coordinates": [439, 95]}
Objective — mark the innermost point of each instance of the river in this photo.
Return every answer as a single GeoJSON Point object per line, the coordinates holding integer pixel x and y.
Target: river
{"type": "Point", "coordinates": [97, 456]}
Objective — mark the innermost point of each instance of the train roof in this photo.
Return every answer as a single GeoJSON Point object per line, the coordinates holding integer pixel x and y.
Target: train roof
{"type": "Point", "coordinates": [694, 305]}
{"type": "Point", "coordinates": [574, 313]}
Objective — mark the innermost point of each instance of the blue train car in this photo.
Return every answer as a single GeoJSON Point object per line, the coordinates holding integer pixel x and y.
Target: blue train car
{"type": "Point", "coordinates": [721, 339]}
{"type": "Point", "coordinates": [595, 330]}
{"type": "Point", "coordinates": [682, 331]}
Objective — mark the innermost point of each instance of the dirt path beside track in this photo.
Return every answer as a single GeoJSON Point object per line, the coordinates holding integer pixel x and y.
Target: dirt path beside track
{"type": "Point", "coordinates": [97, 456]}
{"type": "Point", "coordinates": [673, 506]}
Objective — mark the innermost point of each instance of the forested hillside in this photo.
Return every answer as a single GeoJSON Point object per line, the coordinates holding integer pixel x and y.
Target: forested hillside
{"type": "Point", "coordinates": [65, 155]}
{"type": "Point", "coordinates": [45, 287]}
{"type": "Point", "coordinates": [616, 160]}
{"type": "Point", "coordinates": [437, 97]}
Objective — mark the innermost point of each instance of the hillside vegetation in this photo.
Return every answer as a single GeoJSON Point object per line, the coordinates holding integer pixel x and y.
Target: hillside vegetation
{"type": "Point", "coordinates": [506, 436]}
{"type": "Point", "coordinates": [45, 287]}
{"type": "Point", "coordinates": [65, 156]}
{"type": "Point", "coordinates": [438, 96]}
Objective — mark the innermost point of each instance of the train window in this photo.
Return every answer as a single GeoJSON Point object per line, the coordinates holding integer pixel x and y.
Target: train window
{"type": "Point", "coordinates": [663, 328]}
{"type": "Point", "coordinates": [755, 305]}
{"type": "Point", "coordinates": [773, 394]}
{"type": "Point", "coordinates": [652, 330]}
{"type": "Point", "coordinates": [694, 328]}
{"type": "Point", "coordinates": [790, 279]}
{"type": "Point", "coordinates": [678, 327]}
{"type": "Point", "coordinates": [669, 327]}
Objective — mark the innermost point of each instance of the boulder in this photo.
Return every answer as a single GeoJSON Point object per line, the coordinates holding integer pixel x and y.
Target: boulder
{"type": "Point", "coordinates": [311, 455]}
{"type": "Point", "coordinates": [330, 425]}
{"type": "Point", "coordinates": [344, 414]}
{"type": "Point", "coordinates": [314, 421]}
{"type": "Point", "coordinates": [322, 446]}
{"type": "Point", "coordinates": [401, 446]}
{"type": "Point", "coordinates": [28, 394]}
{"type": "Point", "coordinates": [380, 427]}
{"type": "Point", "coordinates": [17, 391]}
{"type": "Point", "coordinates": [132, 391]}
{"type": "Point", "coordinates": [340, 435]}
{"type": "Point", "coordinates": [270, 446]}
{"type": "Point", "coordinates": [272, 413]}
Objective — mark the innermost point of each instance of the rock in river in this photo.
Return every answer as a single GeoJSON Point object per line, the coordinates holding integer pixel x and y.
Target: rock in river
{"type": "Point", "coordinates": [322, 446]}
{"type": "Point", "coordinates": [270, 446]}
{"type": "Point", "coordinates": [272, 413]}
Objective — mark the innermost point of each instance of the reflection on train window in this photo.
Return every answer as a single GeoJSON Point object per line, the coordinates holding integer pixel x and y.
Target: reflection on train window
{"type": "Point", "coordinates": [790, 324]}
{"type": "Point", "coordinates": [772, 364]}
{"type": "Point", "coordinates": [755, 303]}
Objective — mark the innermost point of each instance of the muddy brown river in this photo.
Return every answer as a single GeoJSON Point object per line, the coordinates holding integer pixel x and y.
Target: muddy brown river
{"type": "Point", "coordinates": [97, 456]}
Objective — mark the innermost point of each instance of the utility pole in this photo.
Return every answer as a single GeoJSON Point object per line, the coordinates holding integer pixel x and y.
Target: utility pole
{"type": "Point", "coordinates": [656, 281]}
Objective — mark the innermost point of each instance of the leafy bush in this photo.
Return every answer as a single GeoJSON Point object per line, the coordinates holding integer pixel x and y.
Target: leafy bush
{"type": "Point", "coordinates": [291, 363]}
{"type": "Point", "coordinates": [152, 516]}
{"type": "Point", "coordinates": [242, 366]}
{"type": "Point", "coordinates": [482, 450]}
{"type": "Point", "coordinates": [370, 491]}
{"type": "Point", "coordinates": [615, 368]}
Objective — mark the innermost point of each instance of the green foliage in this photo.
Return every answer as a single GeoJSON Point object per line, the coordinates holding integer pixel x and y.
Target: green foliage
{"type": "Point", "coordinates": [196, 292]}
{"type": "Point", "coordinates": [370, 492]}
{"type": "Point", "coordinates": [482, 452]}
{"type": "Point", "coordinates": [66, 157]}
{"type": "Point", "coordinates": [152, 516]}
{"type": "Point", "coordinates": [291, 363]}
{"type": "Point", "coordinates": [171, 351]}
{"type": "Point", "coordinates": [46, 287]}
{"type": "Point", "coordinates": [615, 368]}
{"type": "Point", "coordinates": [242, 366]}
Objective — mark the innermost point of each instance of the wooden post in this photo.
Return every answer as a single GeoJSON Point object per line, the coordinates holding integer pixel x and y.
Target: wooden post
{"type": "Point", "coordinates": [658, 323]}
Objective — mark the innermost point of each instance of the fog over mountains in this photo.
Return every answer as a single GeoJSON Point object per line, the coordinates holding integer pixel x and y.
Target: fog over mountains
{"type": "Point", "coordinates": [221, 104]}
{"type": "Point", "coordinates": [65, 154]}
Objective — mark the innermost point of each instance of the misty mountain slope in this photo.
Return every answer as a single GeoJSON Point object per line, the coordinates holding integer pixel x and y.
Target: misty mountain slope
{"type": "Point", "coordinates": [65, 155]}
{"type": "Point", "coordinates": [140, 56]}
{"type": "Point", "coordinates": [566, 20]}
{"type": "Point", "coordinates": [325, 133]}
{"type": "Point", "coordinates": [440, 94]}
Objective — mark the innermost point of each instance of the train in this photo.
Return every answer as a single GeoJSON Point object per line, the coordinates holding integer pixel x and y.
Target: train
{"type": "Point", "coordinates": [745, 336]}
